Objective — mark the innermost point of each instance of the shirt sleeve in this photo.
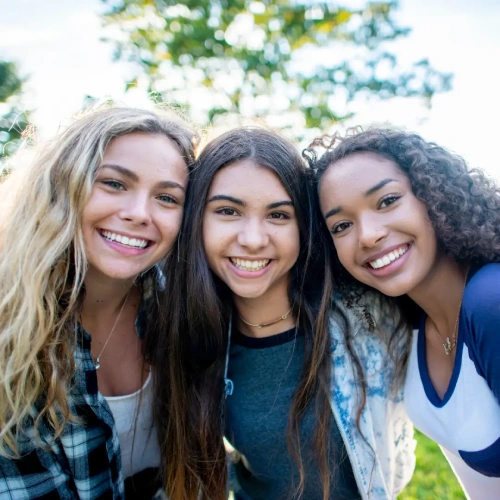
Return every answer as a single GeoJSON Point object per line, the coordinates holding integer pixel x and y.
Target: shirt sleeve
{"type": "Point", "coordinates": [481, 313]}
{"type": "Point", "coordinates": [27, 477]}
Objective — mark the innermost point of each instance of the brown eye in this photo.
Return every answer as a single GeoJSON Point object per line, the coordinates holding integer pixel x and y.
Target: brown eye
{"type": "Point", "coordinates": [278, 216]}
{"type": "Point", "coordinates": [388, 201]}
{"type": "Point", "coordinates": [226, 211]}
{"type": "Point", "coordinates": [341, 226]}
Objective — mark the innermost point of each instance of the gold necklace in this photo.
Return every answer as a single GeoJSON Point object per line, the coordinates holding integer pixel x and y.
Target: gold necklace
{"type": "Point", "coordinates": [449, 345]}
{"type": "Point", "coordinates": [98, 358]}
{"type": "Point", "coordinates": [263, 325]}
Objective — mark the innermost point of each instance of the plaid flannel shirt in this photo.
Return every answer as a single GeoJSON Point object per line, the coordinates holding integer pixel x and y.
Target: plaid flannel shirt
{"type": "Point", "coordinates": [84, 462]}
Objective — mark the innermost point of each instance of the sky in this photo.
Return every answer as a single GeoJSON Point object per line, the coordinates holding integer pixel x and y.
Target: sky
{"type": "Point", "coordinates": [57, 45]}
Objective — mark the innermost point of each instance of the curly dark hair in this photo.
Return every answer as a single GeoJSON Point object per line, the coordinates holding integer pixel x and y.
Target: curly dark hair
{"type": "Point", "coordinates": [463, 204]}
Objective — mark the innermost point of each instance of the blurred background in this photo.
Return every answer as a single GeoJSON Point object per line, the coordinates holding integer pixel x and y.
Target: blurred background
{"type": "Point", "coordinates": [305, 66]}
{"type": "Point", "coordinates": [308, 66]}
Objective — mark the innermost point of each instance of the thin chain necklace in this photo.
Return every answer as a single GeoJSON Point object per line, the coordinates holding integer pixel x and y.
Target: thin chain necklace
{"type": "Point", "coordinates": [98, 358]}
{"type": "Point", "coordinates": [263, 325]}
{"type": "Point", "coordinates": [449, 345]}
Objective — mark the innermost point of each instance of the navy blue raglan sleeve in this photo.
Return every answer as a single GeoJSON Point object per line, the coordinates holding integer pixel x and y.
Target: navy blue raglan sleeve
{"type": "Point", "coordinates": [481, 312]}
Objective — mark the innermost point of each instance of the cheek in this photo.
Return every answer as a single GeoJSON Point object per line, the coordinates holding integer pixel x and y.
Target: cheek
{"type": "Point", "coordinates": [211, 239]}
{"type": "Point", "coordinates": [430, 238]}
{"type": "Point", "coordinates": [92, 213]}
{"type": "Point", "coordinates": [295, 248]}
{"type": "Point", "coordinates": [345, 254]}
{"type": "Point", "coordinates": [170, 225]}
{"type": "Point", "coordinates": [425, 228]}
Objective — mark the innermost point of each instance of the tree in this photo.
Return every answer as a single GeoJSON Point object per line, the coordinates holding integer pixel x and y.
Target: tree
{"type": "Point", "coordinates": [13, 121]}
{"type": "Point", "coordinates": [262, 57]}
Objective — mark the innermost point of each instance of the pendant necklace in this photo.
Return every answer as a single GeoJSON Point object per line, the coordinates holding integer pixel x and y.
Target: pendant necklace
{"type": "Point", "coordinates": [98, 358]}
{"type": "Point", "coordinates": [449, 345]}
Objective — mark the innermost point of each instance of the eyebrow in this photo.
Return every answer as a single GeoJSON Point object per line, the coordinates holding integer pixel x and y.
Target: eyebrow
{"type": "Point", "coordinates": [122, 170]}
{"type": "Point", "coordinates": [368, 192]}
{"type": "Point", "coordinates": [133, 176]}
{"type": "Point", "coordinates": [241, 203]}
{"type": "Point", "coordinates": [378, 186]}
{"type": "Point", "coordinates": [170, 184]}
{"type": "Point", "coordinates": [277, 204]}
{"type": "Point", "coordinates": [226, 197]}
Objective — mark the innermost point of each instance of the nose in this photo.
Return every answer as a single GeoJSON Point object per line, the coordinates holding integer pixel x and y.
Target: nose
{"type": "Point", "coordinates": [253, 235]}
{"type": "Point", "coordinates": [370, 233]}
{"type": "Point", "coordinates": [136, 209]}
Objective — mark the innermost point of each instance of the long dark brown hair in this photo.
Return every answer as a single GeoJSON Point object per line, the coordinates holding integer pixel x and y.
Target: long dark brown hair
{"type": "Point", "coordinates": [194, 315]}
{"type": "Point", "coordinates": [463, 204]}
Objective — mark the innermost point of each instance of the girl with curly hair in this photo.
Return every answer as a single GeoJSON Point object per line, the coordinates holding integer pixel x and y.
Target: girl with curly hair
{"type": "Point", "coordinates": [409, 219]}
{"type": "Point", "coordinates": [81, 229]}
{"type": "Point", "coordinates": [253, 308]}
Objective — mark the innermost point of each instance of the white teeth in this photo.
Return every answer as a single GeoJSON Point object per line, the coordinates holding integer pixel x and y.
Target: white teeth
{"type": "Point", "coordinates": [390, 257]}
{"type": "Point", "coordinates": [124, 240]}
{"type": "Point", "coordinates": [250, 265]}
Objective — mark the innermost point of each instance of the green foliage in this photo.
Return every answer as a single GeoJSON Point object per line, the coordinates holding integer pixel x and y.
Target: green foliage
{"type": "Point", "coordinates": [433, 478]}
{"type": "Point", "coordinates": [261, 57]}
{"type": "Point", "coordinates": [13, 121]}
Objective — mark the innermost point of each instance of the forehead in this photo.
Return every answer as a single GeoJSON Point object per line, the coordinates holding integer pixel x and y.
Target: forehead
{"type": "Point", "coordinates": [142, 145]}
{"type": "Point", "coordinates": [248, 181]}
{"type": "Point", "coordinates": [360, 171]}
{"type": "Point", "coordinates": [147, 154]}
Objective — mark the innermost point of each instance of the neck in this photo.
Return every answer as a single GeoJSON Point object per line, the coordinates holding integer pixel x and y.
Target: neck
{"type": "Point", "coordinates": [104, 295]}
{"type": "Point", "coordinates": [440, 295]}
{"type": "Point", "coordinates": [264, 309]}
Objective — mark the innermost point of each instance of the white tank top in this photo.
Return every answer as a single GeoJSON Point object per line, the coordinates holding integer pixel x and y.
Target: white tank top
{"type": "Point", "coordinates": [138, 438]}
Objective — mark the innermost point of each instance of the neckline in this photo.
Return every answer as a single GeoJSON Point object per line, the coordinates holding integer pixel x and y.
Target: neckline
{"type": "Point", "coordinates": [132, 394]}
{"type": "Point", "coordinates": [429, 389]}
{"type": "Point", "coordinates": [265, 342]}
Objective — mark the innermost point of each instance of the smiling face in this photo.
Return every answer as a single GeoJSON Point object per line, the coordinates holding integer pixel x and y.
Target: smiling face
{"type": "Point", "coordinates": [135, 208]}
{"type": "Point", "coordinates": [250, 231]}
{"type": "Point", "coordinates": [381, 231]}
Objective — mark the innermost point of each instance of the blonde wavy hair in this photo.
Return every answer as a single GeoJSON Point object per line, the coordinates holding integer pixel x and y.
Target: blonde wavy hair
{"type": "Point", "coordinates": [43, 263]}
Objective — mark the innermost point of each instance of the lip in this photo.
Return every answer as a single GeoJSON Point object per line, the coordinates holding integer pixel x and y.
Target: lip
{"type": "Point", "coordinates": [391, 268]}
{"type": "Point", "coordinates": [125, 250]}
{"type": "Point", "coordinates": [383, 252]}
{"type": "Point", "coordinates": [249, 274]}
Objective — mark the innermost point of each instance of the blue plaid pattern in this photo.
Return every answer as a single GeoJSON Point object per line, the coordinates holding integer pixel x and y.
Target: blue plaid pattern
{"type": "Point", "coordinates": [84, 462]}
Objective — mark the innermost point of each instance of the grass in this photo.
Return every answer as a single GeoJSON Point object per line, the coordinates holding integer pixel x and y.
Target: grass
{"type": "Point", "coordinates": [433, 478]}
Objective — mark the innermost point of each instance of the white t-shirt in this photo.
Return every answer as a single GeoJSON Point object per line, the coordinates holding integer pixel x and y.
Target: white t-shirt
{"type": "Point", "coordinates": [466, 421]}
{"type": "Point", "coordinates": [138, 438]}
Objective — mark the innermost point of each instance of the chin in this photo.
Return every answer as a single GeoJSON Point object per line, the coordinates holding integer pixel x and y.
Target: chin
{"type": "Point", "coordinates": [247, 294]}
{"type": "Point", "coordinates": [121, 274]}
{"type": "Point", "coordinates": [393, 291]}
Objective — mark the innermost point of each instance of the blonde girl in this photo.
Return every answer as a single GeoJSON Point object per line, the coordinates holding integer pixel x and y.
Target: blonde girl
{"type": "Point", "coordinates": [82, 228]}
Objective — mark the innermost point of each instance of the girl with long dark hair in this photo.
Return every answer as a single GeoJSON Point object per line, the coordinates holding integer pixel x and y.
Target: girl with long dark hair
{"type": "Point", "coordinates": [255, 349]}
{"type": "Point", "coordinates": [409, 219]}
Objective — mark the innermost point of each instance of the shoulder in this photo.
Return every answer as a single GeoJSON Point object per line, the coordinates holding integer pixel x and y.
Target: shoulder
{"type": "Point", "coordinates": [366, 313]}
{"type": "Point", "coordinates": [481, 299]}
{"type": "Point", "coordinates": [366, 323]}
